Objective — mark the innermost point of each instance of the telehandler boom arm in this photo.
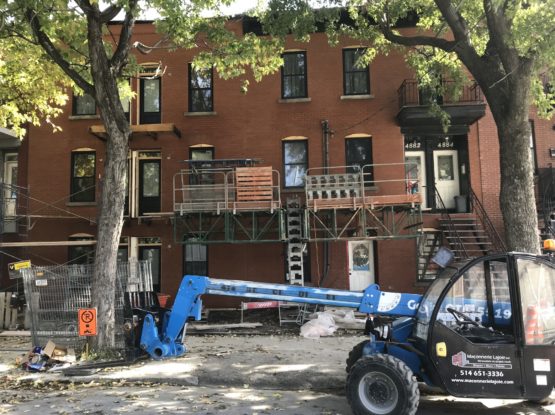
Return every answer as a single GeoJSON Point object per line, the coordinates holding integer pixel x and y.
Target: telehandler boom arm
{"type": "Point", "coordinates": [165, 339]}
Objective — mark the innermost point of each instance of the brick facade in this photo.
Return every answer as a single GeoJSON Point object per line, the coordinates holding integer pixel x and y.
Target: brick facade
{"type": "Point", "coordinates": [250, 125]}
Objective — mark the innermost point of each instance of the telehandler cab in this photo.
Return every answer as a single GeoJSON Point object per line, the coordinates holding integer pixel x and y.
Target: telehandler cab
{"type": "Point", "coordinates": [484, 329]}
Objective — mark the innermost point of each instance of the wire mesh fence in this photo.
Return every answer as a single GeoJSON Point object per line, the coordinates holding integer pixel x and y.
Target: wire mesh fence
{"type": "Point", "coordinates": [55, 294]}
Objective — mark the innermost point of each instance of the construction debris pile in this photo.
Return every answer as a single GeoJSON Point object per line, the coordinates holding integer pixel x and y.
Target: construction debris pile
{"type": "Point", "coordinates": [50, 357]}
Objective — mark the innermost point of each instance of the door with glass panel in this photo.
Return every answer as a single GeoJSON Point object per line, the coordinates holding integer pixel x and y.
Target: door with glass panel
{"type": "Point", "coordinates": [446, 175]}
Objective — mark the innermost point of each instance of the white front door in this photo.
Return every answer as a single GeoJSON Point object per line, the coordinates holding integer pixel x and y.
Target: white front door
{"type": "Point", "coordinates": [361, 264]}
{"type": "Point", "coordinates": [10, 191]}
{"type": "Point", "coordinates": [415, 174]}
{"type": "Point", "coordinates": [446, 175]}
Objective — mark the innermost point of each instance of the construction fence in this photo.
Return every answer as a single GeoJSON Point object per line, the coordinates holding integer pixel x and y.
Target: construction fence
{"type": "Point", "coordinates": [55, 294]}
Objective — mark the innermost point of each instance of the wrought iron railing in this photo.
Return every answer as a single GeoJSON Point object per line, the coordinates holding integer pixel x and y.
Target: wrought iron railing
{"type": "Point", "coordinates": [497, 243]}
{"type": "Point", "coordinates": [410, 94]}
{"type": "Point", "coordinates": [455, 238]}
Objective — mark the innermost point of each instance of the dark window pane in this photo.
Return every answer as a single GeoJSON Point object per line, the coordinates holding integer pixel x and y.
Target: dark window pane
{"type": "Point", "coordinates": [295, 161]}
{"type": "Point", "coordinates": [196, 259]}
{"type": "Point", "coordinates": [295, 152]}
{"type": "Point", "coordinates": [83, 177]}
{"type": "Point", "coordinates": [356, 79]}
{"type": "Point", "coordinates": [151, 179]}
{"type": "Point", "coordinates": [295, 175]}
{"type": "Point", "coordinates": [294, 75]}
{"type": "Point", "coordinates": [83, 105]}
{"type": "Point", "coordinates": [200, 90]}
{"type": "Point", "coordinates": [151, 95]}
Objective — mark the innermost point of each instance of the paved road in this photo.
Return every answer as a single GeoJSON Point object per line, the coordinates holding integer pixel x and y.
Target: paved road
{"type": "Point", "coordinates": [60, 399]}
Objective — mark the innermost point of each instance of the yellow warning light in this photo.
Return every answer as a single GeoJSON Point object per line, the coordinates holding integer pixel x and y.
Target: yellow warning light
{"type": "Point", "coordinates": [549, 245]}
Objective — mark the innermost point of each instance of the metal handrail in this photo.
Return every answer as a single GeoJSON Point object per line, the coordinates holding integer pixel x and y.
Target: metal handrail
{"type": "Point", "coordinates": [409, 94]}
{"type": "Point", "coordinates": [459, 245]}
{"type": "Point", "coordinates": [497, 242]}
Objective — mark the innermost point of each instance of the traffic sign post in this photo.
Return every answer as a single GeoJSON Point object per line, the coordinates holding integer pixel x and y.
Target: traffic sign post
{"type": "Point", "coordinates": [87, 322]}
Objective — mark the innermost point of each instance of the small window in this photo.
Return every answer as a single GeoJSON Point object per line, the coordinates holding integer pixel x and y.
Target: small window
{"type": "Point", "coordinates": [83, 167]}
{"type": "Point", "coordinates": [195, 259]}
{"type": "Point", "coordinates": [358, 156]}
{"type": "Point", "coordinates": [81, 254]}
{"type": "Point", "coordinates": [200, 90]}
{"type": "Point", "coordinates": [356, 78]}
{"type": "Point", "coordinates": [295, 162]}
{"type": "Point", "coordinates": [83, 105]}
{"type": "Point", "coordinates": [293, 75]}
{"type": "Point", "coordinates": [197, 155]}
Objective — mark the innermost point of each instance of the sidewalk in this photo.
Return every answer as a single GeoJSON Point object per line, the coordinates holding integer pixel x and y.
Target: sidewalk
{"type": "Point", "coordinates": [272, 362]}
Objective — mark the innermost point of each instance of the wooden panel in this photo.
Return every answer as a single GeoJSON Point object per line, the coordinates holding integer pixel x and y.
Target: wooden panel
{"type": "Point", "coordinates": [404, 199]}
{"type": "Point", "coordinates": [253, 184]}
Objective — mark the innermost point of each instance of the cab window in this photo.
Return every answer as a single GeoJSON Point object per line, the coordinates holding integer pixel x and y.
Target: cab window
{"type": "Point", "coordinates": [478, 305]}
{"type": "Point", "coordinates": [537, 294]}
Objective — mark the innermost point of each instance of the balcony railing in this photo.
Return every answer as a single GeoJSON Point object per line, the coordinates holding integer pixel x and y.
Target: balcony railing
{"type": "Point", "coordinates": [410, 94]}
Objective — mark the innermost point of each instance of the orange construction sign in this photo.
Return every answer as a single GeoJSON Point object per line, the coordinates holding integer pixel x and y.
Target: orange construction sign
{"type": "Point", "coordinates": [87, 321]}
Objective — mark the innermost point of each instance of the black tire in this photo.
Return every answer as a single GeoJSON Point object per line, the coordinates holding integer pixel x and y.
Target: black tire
{"type": "Point", "coordinates": [355, 354]}
{"type": "Point", "coordinates": [382, 385]}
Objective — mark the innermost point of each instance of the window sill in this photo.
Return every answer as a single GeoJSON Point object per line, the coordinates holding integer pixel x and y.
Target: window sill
{"type": "Point", "coordinates": [351, 97]}
{"type": "Point", "coordinates": [293, 100]}
{"type": "Point", "coordinates": [84, 117]}
{"type": "Point", "coordinates": [200, 114]}
{"type": "Point", "coordinates": [80, 203]}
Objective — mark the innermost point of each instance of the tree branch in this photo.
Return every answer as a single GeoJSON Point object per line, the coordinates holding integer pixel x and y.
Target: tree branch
{"type": "Point", "coordinates": [446, 45]}
{"type": "Point", "coordinates": [454, 19]}
{"type": "Point", "coordinates": [45, 42]}
{"type": "Point", "coordinates": [498, 29]}
{"type": "Point", "coordinates": [119, 58]}
{"type": "Point", "coordinates": [109, 13]}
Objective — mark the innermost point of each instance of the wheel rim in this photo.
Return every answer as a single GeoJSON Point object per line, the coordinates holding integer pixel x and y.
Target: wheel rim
{"type": "Point", "coordinates": [378, 393]}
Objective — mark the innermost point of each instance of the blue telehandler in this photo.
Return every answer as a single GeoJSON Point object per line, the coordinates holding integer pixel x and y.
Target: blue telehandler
{"type": "Point", "coordinates": [485, 328]}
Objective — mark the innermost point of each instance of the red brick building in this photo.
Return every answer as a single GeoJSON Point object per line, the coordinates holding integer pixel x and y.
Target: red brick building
{"type": "Point", "coordinates": [214, 173]}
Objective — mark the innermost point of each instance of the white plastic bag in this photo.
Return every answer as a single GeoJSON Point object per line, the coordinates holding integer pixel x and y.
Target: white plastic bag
{"type": "Point", "coordinates": [324, 325]}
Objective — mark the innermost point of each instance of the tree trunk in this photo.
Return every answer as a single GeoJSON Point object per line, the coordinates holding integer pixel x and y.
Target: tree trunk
{"type": "Point", "coordinates": [112, 197]}
{"type": "Point", "coordinates": [517, 198]}
{"type": "Point", "coordinates": [510, 104]}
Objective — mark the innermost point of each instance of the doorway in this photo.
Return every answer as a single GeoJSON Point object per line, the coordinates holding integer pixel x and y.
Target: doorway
{"type": "Point", "coordinates": [415, 174]}
{"type": "Point", "coordinates": [361, 264]}
{"type": "Point", "coordinates": [446, 176]}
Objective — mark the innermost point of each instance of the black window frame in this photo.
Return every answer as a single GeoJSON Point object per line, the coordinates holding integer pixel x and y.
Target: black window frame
{"type": "Point", "coordinates": [355, 70]}
{"type": "Point", "coordinates": [151, 117]}
{"type": "Point", "coordinates": [304, 75]}
{"type": "Point", "coordinates": [192, 88]}
{"type": "Point", "coordinates": [76, 196]}
{"type": "Point", "coordinates": [305, 163]}
{"type": "Point", "coordinates": [74, 107]}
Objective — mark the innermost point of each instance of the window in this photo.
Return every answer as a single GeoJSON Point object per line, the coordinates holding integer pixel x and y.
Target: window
{"type": "Point", "coordinates": [533, 147]}
{"type": "Point", "coordinates": [81, 254]}
{"type": "Point", "coordinates": [150, 101]}
{"type": "Point", "coordinates": [200, 90]}
{"type": "Point", "coordinates": [293, 75]}
{"type": "Point", "coordinates": [295, 162]}
{"type": "Point", "coordinates": [358, 153]}
{"type": "Point", "coordinates": [83, 166]}
{"type": "Point", "coordinates": [356, 79]}
{"type": "Point", "coordinates": [145, 182]}
{"type": "Point", "coordinates": [123, 249]}
{"type": "Point", "coordinates": [195, 259]}
{"type": "Point", "coordinates": [197, 155]}
{"type": "Point", "coordinates": [149, 250]}
{"type": "Point", "coordinates": [83, 105]}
